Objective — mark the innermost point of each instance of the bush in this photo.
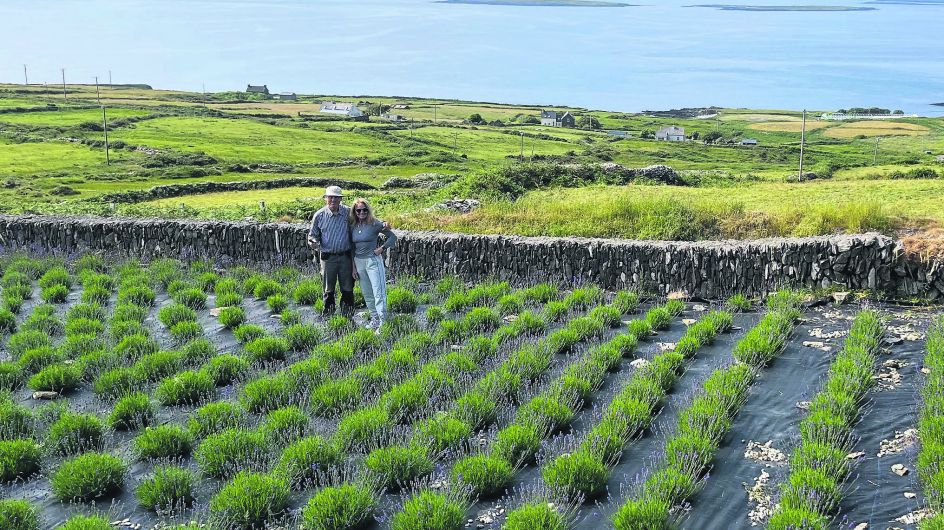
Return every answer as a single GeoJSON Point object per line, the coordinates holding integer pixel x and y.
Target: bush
{"type": "Point", "coordinates": [215, 417]}
{"type": "Point", "coordinates": [195, 352]}
{"type": "Point", "coordinates": [441, 432]}
{"type": "Point", "coordinates": [55, 294]}
{"type": "Point", "coordinates": [186, 388]}
{"type": "Point", "coordinates": [739, 303]}
{"type": "Point", "coordinates": [88, 476]}
{"type": "Point", "coordinates": [578, 473]}
{"type": "Point", "coordinates": [18, 515]}
{"type": "Point", "coordinates": [16, 421]}
{"type": "Point", "coordinates": [518, 443]}
{"type": "Point", "coordinates": [173, 314]}
{"type": "Point", "coordinates": [164, 441]}
{"type": "Point", "coordinates": [231, 317]}
{"type": "Point", "coordinates": [428, 510]}
{"type": "Point", "coordinates": [267, 349]}
{"type": "Point", "coordinates": [363, 429]}
{"type": "Point", "coordinates": [250, 500]}
{"type": "Point", "coordinates": [337, 395]}
{"type": "Point", "coordinates": [248, 332]}
{"type": "Point", "coordinates": [397, 465]}
{"type": "Point", "coordinates": [131, 412]}
{"type": "Point", "coordinates": [117, 382]}
{"type": "Point", "coordinates": [480, 320]}
{"type": "Point", "coordinates": [648, 513]}
{"type": "Point", "coordinates": [797, 519]}
{"type": "Point", "coordinates": [306, 459]}
{"type": "Point", "coordinates": [7, 321]}
{"type": "Point", "coordinates": [133, 347]}
{"type": "Point", "coordinates": [484, 475]}
{"type": "Point", "coordinates": [400, 300]}
{"type": "Point", "coordinates": [84, 326]}
{"type": "Point", "coordinates": [57, 378]}
{"type": "Point", "coordinates": [340, 507]}
{"type": "Point", "coordinates": [308, 292]}
{"type": "Point", "coordinates": [284, 425]}
{"type": "Point", "coordinates": [225, 369]}
{"type": "Point", "coordinates": [139, 295]}
{"type": "Point", "coordinates": [11, 377]}
{"type": "Point", "coordinates": [268, 393]}
{"type": "Point", "coordinates": [36, 359]}
{"type": "Point", "coordinates": [266, 288]}
{"type": "Point", "coordinates": [303, 337]}
{"type": "Point", "coordinates": [229, 300]}
{"type": "Point", "coordinates": [86, 522]}
{"type": "Point", "coordinates": [75, 433]}
{"type": "Point", "coordinates": [230, 451]}
{"type": "Point", "coordinates": [23, 341]}
{"type": "Point", "coordinates": [535, 515]}
{"type": "Point", "coordinates": [185, 331]}
{"type": "Point", "coordinates": [170, 488]}
{"type": "Point", "coordinates": [546, 412]}
{"type": "Point", "coordinates": [19, 459]}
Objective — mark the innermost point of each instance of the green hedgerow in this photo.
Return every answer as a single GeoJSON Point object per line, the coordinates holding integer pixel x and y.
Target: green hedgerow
{"type": "Point", "coordinates": [283, 426]}
{"type": "Point", "coordinates": [133, 347]}
{"type": "Point", "coordinates": [277, 302]}
{"type": "Point", "coordinates": [396, 465]}
{"type": "Point", "coordinates": [811, 489]}
{"type": "Point", "coordinates": [537, 514]}
{"type": "Point", "coordinates": [215, 417]}
{"type": "Point", "coordinates": [169, 488]}
{"type": "Point", "coordinates": [88, 476]}
{"type": "Point", "coordinates": [248, 332]}
{"type": "Point", "coordinates": [132, 411]}
{"type": "Point", "coordinates": [36, 359]}
{"type": "Point", "coordinates": [231, 317]}
{"type": "Point", "coordinates": [307, 292]}
{"type": "Point", "coordinates": [19, 459]}
{"type": "Point", "coordinates": [430, 510]}
{"type": "Point", "coordinates": [225, 369]}
{"type": "Point", "coordinates": [340, 507]}
{"type": "Point", "coordinates": [186, 388]}
{"type": "Point", "coordinates": [176, 313]}
{"type": "Point", "coordinates": [195, 352]}
{"type": "Point", "coordinates": [18, 514]}
{"type": "Point", "coordinates": [57, 378]}
{"type": "Point", "coordinates": [118, 382]}
{"type": "Point", "coordinates": [518, 443]}
{"type": "Point", "coordinates": [306, 459]}
{"type": "Point", "coordinates": [485, 475]}
{"type": "Point", "coordinates": [268, 393]}
{"type": "Point", "coordinates": [659, 318]}
{"type": "Point", "coordinates": [163, 441]}
{"type": "Point", "coordinates": [75, 433]}
{"type": "Point", "coordinates": [55, 294]}
{"type": "Point", "coordinates": [266, 288]}
{"type": "Point", "coordinates": [249, 501]}
{"type": "Point", "coordinates": [11, 376]}
{"type": "Point", "coordinates": [86, 522]}
{"type": "Point", "coordinates": [186, 331]}
{"type": "Point", "coordinates": [230, 451]}
{"type": "Point", "coordinates": [139, 295]}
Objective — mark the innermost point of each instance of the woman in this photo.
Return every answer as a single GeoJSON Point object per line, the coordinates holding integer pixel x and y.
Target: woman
{"type": "Point", "coordinates": [368, 265]}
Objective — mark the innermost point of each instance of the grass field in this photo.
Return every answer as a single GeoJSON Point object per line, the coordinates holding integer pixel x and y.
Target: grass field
{"type": "Point", "coordinates": [733, 191]}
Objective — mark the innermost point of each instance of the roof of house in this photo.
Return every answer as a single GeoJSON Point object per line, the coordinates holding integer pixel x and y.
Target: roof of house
{"type": "Point", "coordinates": [672, 129]}
{"type": "Point", "coordinates": [286, 93]}
{"type": "Point", "coordinates": [565, 115]}
{"type": "Point", "coordinates": [341, 107]}
{"type": "Point", "coordinates": [257, 88]}
{"type": "Point", "coordinates": [548, 115]}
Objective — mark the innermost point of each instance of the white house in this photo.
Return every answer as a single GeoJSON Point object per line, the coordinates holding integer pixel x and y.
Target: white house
{"type": "Point", "coordinates": [749, 141]}
{"type": "Point", "coordinates": [671, 134]}
{"type": "Point", "coordinates": [552, 118]}
{"type": "Point", "coordinates": [343, 109]}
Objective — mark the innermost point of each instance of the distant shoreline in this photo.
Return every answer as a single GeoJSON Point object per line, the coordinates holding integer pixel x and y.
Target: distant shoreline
{"type": "Point", "coordinates": [538, 3]}
{"type": "Point", "coordinates": [812, 8]}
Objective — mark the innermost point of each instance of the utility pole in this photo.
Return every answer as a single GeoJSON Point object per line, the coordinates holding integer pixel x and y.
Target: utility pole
{"type": "Point", "coordinates": [64, 96]}
{"type": "Point", "coordinates": [455, 141]}
{"type": "Point", "coordinates": [204, 88]}
{"type": "Point", "coordinates": [25, 77]}
{"type": "Point", "coordinates": [434, 114]}
{"type": "Point", "coordinates": [802, 142]}
{"type": "Point", "coordinates": [105, 127]}
{"type": "Point", "coordinates": [521, 153]}
{"type": "Point", "coordinates": [109, 78]}
{"type": "Point", "coordinates": [97, 93]}
{"type": "Point", "coordinates": [875, 152]}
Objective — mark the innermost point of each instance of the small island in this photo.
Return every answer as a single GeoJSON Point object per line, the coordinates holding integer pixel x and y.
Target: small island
{"type": "Point", "coordinates": [539, 3]}
{"type": "Point", "coordinates": [740, 7]}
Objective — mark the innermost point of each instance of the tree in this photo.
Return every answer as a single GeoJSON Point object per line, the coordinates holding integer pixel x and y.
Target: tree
{"type": "Point", "coordinates": [711, 137]}
{"type": "Point", "coordinates": [531, 120]}
{"type": "Point", "coordinates": [647, 134]}
{"type": "Point", "coordinates": [476, 119]}
{"type": "Point", "coordinates": [695, 135]}
{"type": "Point", "coordinates": [594, 122]}
{"type": "Point", "coordinates": [898, 111]}
{"type": "Point", "coordinates": [376, 109]}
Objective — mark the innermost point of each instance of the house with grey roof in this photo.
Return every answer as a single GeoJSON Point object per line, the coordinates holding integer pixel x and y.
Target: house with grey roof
{"type": "Point", "coordinates": [257, 89]}
{"type": "Point", "coordinates": [287, 96]}
{"type": "Point", "coordinates": [552, 118]}
{"type": "Point", "coordinates": [672, 133]}
{"type": "Point", "coordinates": [341, 109]}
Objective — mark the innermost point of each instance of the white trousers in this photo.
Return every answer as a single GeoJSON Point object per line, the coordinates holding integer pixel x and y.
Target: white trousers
{"type": "Point", "coordinates": [373, 278]}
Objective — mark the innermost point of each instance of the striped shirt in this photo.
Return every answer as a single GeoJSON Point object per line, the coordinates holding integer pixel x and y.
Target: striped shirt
{"type": "Point", "coordinates": [331, 231]}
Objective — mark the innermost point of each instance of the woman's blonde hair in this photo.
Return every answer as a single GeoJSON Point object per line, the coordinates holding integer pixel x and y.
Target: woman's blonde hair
{"type": "Point", "coordinates": [370, 212]}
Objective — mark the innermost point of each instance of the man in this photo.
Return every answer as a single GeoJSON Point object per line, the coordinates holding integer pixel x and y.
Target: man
{"type": "Point", "coordinates": [330, 238]}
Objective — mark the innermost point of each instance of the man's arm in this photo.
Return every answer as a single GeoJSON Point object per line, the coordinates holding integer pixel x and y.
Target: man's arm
{"type": "Point", "coordinates": [314, 233]}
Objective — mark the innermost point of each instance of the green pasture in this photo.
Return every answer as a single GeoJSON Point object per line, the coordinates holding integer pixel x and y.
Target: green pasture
{"type": "Point", "coordinates": [484, 144]}
{"type": "Point", "coordinates": [69, 117]}
{"type": "Point", "coordinates": [52, 158]}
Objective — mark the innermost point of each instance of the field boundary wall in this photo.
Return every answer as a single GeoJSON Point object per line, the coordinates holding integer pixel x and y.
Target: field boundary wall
{"type": "Point", "coordinates": [708, 269]}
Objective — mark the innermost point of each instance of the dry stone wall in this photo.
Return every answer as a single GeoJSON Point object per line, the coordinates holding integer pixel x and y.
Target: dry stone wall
{"type": "Point", "coordinates": [710, 269]}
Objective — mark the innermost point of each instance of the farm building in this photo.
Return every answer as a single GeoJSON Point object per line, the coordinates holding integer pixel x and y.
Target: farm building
{"type": "Point", "coordinates": [400, 106]}
{"type": "Point", "coordinates": [257, 89]}
{"type": "Point", "coordinates": [393, 117]}
{"type": "Point", "coordinates": [672, 133]}
{"type": "Point", "coordinates": [552, 118]}
{"type": "Point", "coordinates": [617, 134]}
{"type": "Point", "coordinates": [287, 96]}
{"type": "Point", "coordinates": [749, 141]}
{"type": "Point", "coordinates": [342, 109]}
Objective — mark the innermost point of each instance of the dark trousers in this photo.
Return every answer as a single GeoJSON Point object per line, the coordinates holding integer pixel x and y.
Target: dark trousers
{"type": "Point", "coordinates": [338, 268]}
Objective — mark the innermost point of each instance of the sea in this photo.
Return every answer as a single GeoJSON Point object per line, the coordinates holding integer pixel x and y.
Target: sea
{"type": "Point", "coordinates": [659, 55]}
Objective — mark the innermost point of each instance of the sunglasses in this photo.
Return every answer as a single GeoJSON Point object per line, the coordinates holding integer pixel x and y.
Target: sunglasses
{"type": "Point", "coordinates": [360, 210]}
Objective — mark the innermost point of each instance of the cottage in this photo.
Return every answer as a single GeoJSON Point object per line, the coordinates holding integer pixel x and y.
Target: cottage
{"type": "Point", "coordinates": [749, 141]}
{"type": "Point", "coordinates": [257, 89]}
{"type": "Point", "coordinates": [342, 109]}
{"type": "Point", "coordinates": [617, 134]}
{"type": "Point", "coordinates": [672, 133]}
{"type": "Point", "coordinates": [392, 117]}
{"type": "Point", "coordinates": [552, 118]}
{"type": "Point", "coordinates": [400, 106]}
{"type": "Point", "coordinates": [287, 96]}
